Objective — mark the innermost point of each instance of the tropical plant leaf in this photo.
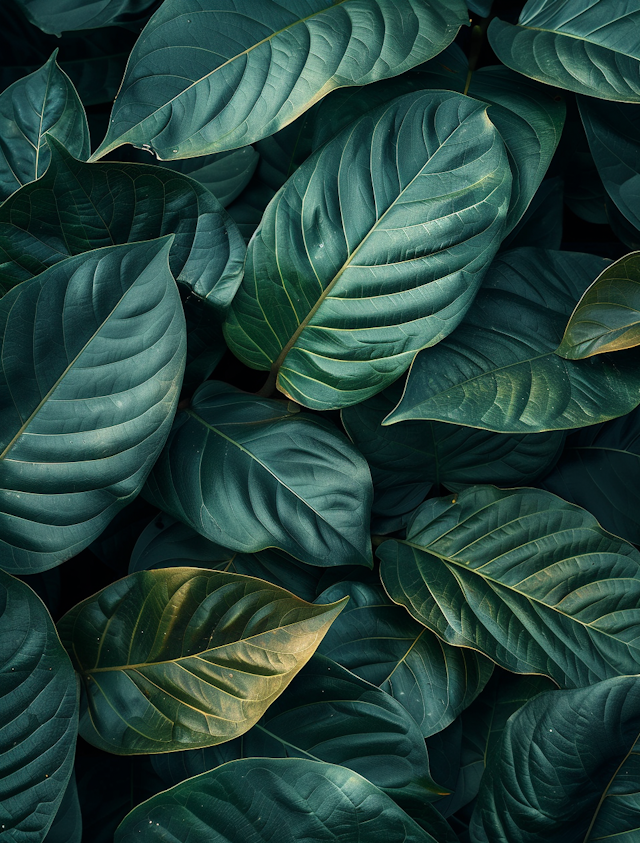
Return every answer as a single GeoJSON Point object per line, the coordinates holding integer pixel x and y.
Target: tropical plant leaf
{"type": "Point", "coordinates": [44, 101]}
{"type": "Point", "coordinates": [607, 317]}
{"type": "Point", "coordinates": [75, 207]}
{"type": "Point", "coordinates": [541, 224]}
{"type": "Point", "coordinates": [380, 643]}
{"type": "Point", "coordinates": [258, 799]}
{"type": "Point", "coordinates": [566, 769]}
{"type": "Point", "coordinates": [38, 715]}
{"type": "Point", "coordinates": [66, 15]}
{"type": "Point", "coordinates": [291, 480]}
{"type": "Point", "coordinates": [522, 576]}
{"type": "Point", "coordinates": [499, 370]}
{"type": "Point", "coordinates": [578, 45]}
{"type": "Point", "coordinates": [67, 825]}
{"type": "Point", "coordinates": [92, 356]}
{"type": "Point", "coordinates": [359, 288]}
{"type": "Point", "coordinates": [182, 658]}
{"type": "Point", "coordinates": [200, 66]}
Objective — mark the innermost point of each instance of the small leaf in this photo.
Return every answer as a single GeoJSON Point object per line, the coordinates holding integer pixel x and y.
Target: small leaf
{"type": "Point", "coordinates": [181, 658]}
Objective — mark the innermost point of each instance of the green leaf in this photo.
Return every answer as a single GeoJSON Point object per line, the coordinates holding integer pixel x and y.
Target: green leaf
{"type": "Point", "coordinates": [261, 799]}
{"type": "Point", "coordinates": [200, 67]}
{"type": "Point", "coordinates": [607, 317]}
{"type": "Point", "coordinates": [92, 356]}
{"type": "Point", "coordinates": [65, 15]}
{"type": "Point", "coordinates": [251, 473]}
{"type": "Point", "coordinates": [182, 658]}
{"type": "Point", "coordinates": [38, 715]}
{"type": "Point", "coordinates": [566, 770]}
{"type": "Point", "coordinates": [76, 207]}
{"type": "Point", "coordinates": [541, 224]}
{"type": "Point", "coordinates": [380, 643]}
{"type": "Point", "coordinates": [341, 285]}
{"type": "Point", "coordinates": [586, 46]}
{"type": "Point", "coordinates": [67, 825]}
{"type": "Point", "coordinates": [44, 101]}
{"type": "Point", "coordinates": [522, 576]}
{"type": "Point", "coordinates": [499, 370]}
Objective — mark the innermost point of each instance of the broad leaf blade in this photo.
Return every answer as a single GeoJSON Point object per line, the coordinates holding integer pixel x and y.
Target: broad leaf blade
{"type": "Point", "coordinates": [66, 15]}
{"type": "Point", "coordinates": [181, 658]}
{"type": "Point", "coordinates": [92, 355]}
{"type": "Point", "coordinates": [67, 825]}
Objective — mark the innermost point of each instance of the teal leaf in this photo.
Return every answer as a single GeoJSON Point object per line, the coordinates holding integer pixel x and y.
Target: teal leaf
{"type": "Point", "coordinates": [45, 101]}
{"type": "Point", "coordinates": [92, 355]}
{"type": "Point", "coordinates": [522, 576]}
{"type": "Point", "coordinates": [66, 15]}
{"type": "Point", "coordinates": [499, 370]}
{"type": "Point", "coordinates": [182, 658]}
{"type": "Point", "coordinates": [379, 261]}
{"type": "Point", "coordinates": [67, 825]}
{"type": "Point", "coordinates": [586, 46]}
{"type": "Point", "coordinates": [38, 715]}
{"type": "Point", "coordinates": [251, 473]}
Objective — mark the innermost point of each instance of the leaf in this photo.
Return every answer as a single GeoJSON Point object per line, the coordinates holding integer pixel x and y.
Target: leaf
{"type": "Point", "coordinates": [380, 643]}
{"type": "Point", "coordinates": [529, 580]}
{"type": "Point", "coordinates": [182, 658]}
{"type": "Point", "coordinates": [499, 370]}
{"type": "Point", "coordinates": [200, 67]}
{"type": "Point", "coordinates": [541, 224]}
{"type": "Point", "coordinates": [38, 715]}
{"type": "Point", "coordinates": [580, 45]}
{"type": "Point", "coordinates": [92, 355]}
{"type": "Point", "coordinates": [249, 473]}
{"type": "Point", "coordinates": [259, 799]}
{"type": "Point", "coordinates": [76, 207]}
{"type": "Point", "coordinates": [566, 769]}
{"type": "Point", "coordinates": [67, 15]}
{"type": "Point", "coordinates": [359, 288]}
{"type": "Point", "coordinates": [67, 825]}
{"type": "Point", "coordinates": [44, 101]}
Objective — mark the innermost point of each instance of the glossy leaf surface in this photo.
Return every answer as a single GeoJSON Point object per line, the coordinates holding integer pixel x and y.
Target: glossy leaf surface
{"type": "Point", "coordinates": [531, 581]}
{"type": "Point", "coordinates": [181, 658]}
{"type": "Point", "coordinates": [38, 715]}
{"type": "Point", "coordinates": [499, 370]}
{"type": "Point", "coordinates": [257, 800]}
{"type": "Point", "coordinates": [337, 303]}
{"type": "Point", "coordinates": [249, 473]}
{"type": "Point", "coordinates": [92, 356]}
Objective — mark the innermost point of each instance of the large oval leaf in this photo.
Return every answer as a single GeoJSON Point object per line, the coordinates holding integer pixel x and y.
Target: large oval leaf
{"type": "Point", "coordinates": [210, 75]}
{"type": "Point", "coordinates": [531, 581]}
{"type": "Point", "coordinates": [499, 370]}
{"type": "Point", "coordinates": [181, 658]}
{"type": "Point", "coordinates": [38, 715]}
{"type": "Point", "coordinates": [355, 266]}
{"type": "Point", "coordinates": [45, 101]}
{"type": "Point", "coordinates": [92, 356]}
{"type": "Point", "coordinates": [566, 769]}
{"type": "Point", "coordinates": [250, 473]}
{"type": "Point", "coordinates": [261, 799]}
{"type": "Point", "coordinates": [587, 46]}
{"type": "Point", "coordinates": [75, 207]}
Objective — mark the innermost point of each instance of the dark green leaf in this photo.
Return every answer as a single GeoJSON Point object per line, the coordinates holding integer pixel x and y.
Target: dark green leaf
{"type": "Point", "coordinates": [38, 715]}
{"type": "Point", "coordinates": [531, 581]}
{"type": "Point", "coordinates": [541, 225]}
{"type": "Point", "coordinates": [205, 344]}
{"type": "Point", "coordinates": [92, 355]}
{"type": "Point", "coordinates": [64, 15]}
{"type": "Point", "coordinates": [499, 370]}
{"type": "Point", "coordinates": [67, 825]}
{"type": "Point", "coordinates": [256, 800]}
{"type": "Point", "coordinates": [181, 658]}
{"type": "Point", "coordinates": [251, 473]}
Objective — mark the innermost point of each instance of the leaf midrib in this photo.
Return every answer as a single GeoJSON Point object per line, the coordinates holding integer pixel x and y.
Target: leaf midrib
{"type": "Point", "coordinates": [576, 38]}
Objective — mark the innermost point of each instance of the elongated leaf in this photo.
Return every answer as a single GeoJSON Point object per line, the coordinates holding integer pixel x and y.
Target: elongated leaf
{"type": "Point", "coordinates": [44, 101]}
{"type": "Point", "coordinates": [65, 15]}
{"type": "Point", "coordinates": [248, 473]}
{"type": "Point", "coordinates": [75, 207]}
{"type": "Point", "coordinates": [182, 658]}
{"type": "Point", "coordinates": [363, 283]}
{"type": "Point", "coordinates": [67, 825]}
{"type": "Point", "coordinates": [382, 644]}
{"type": "Point", "coordinates": [566, 769]}
{"type": "Point", "coordinates": [92, 355]}
{"type": "Point", "coordinates": [38, 715]}
{"type": "Point", "coordinates": [259, 799]}
{"type": "Point", "coordinates": [586, 46]}
{"type": "Point", "coordinates": [607, 317]}
{"type": "Point", "coordinates": [499, 370]}
{"type": "Point", "coordinates": [531, 581]}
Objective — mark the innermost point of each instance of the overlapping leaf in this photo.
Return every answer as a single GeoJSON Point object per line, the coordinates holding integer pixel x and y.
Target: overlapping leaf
{"type": "Point", "coordinates": [531, 581]}
{"type": "Point", "coordinates": [182, 658]}
{"type": "Point", "coordinates": [65, 15]}
{"type": "Point", "coordinates": [67, 824]}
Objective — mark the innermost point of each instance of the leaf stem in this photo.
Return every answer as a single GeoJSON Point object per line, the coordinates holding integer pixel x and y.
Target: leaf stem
{"type": "Point", "coordinates": [269, 386]}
